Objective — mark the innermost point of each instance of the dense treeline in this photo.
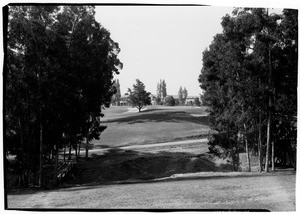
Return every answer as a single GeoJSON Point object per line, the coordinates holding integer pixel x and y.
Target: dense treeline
{"type": "Point", "coordinates": [58, 76]}
{"type": "Point", "coordinates": [249, 78]}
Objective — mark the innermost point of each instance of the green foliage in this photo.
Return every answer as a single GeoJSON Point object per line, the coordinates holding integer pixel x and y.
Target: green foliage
{"type": "Point", "coordinates": [138, 96]}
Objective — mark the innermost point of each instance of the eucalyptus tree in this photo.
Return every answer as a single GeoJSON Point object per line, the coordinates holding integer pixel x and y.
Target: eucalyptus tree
{"type": "Point", "coordinates": [59, 76]}
{"type": "Point", "coordinates": [243, 76]}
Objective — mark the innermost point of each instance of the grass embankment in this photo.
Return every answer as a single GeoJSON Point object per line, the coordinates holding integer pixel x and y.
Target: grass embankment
{"type": "Point", "coordinates": [156, 124]}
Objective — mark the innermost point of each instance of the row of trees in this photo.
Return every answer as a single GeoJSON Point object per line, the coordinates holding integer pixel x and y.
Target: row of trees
{"type": "Point", "coordinates": [171, 101]}
{"type": "Point", "coordinates": [249, 79]}
{"type": "Point", "coordinates": [163, 99]}
{"type": "Point", "coordinates": [161, 92]}
{"type": "Point", "coordinates": [139, 97]}
{"type": "Point", "coordinates": [161, 96]}
{"type": "Point", "coordinates": [58, 77]}
{"type": "Point", "coordinates": [182, 95]}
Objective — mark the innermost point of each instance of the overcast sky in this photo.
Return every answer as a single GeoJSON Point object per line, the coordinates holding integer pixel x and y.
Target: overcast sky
{"type": "Point", "coordinates": [162, 42]}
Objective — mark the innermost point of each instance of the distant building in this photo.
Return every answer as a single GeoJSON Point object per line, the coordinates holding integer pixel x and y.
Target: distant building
{"type": "Point", "coordinates": [124, 100]}
{"type": "Point", "coordinates": [153, 100]}
{"type": "Point", "coordinates": [190, 101]}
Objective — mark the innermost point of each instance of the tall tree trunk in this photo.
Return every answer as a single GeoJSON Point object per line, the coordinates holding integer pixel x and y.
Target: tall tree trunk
{"type": "Point", "coordinates": [65, 152]}
{"type": "Point", "coordinates": [273, 141]}
{"type": "Point", "coordinates": [70, 150]}
{"type": "Point", "coordinates": [273, 155]}
{"type": "Point", "coordinates": [79, 147]}
{"type": "Point", "coordinates": [87, 148]}
{"type": "Point", "coordinates": [76, 151]}
{"type": "Point", "coordinates": [269, 113]}
{"type": "Point", "coordinates": [41, 156]}
{"type": "Point", "coordinates": [233, 159]}
{"type": "Point", "coordinates": [56, 165]}
{"type": "Point", "coordinates": [21, 157]}
{"type": "Point", "coordinates": [268, 141]}
{"type": "Point", "coordinates": [259, 144]}
{"type": "Point", "coordinates": [21, 134]}
{"type": "Point", "coordinates": [247, 149]}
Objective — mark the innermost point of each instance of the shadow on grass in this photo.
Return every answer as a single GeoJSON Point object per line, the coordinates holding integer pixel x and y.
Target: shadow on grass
{"type": "Point", "coordinates": [161, 116]}
{"type": "Point", "coordinates": [123, 166]}
{"type": "Point", "coordinates": [119, 166]}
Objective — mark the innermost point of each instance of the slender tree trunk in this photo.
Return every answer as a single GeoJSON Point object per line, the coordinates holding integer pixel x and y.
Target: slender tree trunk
{"type": "Point", "coordinates": [87, 149]}
{"type": "Point", "coordinates": [76, 151]}
{"type": "Point", "coordinates": [269, 114]}
{"type": "Point", "coordinates": [259, 144]}
{"type": "Point", "coordinates": [21, 134]}
{"type": "Point", "coordinates": [233, 159]}
{"type": "Point", "coordinates": [65, 152]}
{"type": "Point", "coordinates": [56, 165]}
{"type": "Point", "coordinates": [248, 156]}
{"type": "Point", "coordinates": [268, 143]}
{"type": "Point", "coordinates": [41, 156]}
{"type": "Point", "coordinates": [284, 156]}
{"type": "Point", "coordinates": [247, 149]}
{"type": "Point", "coordinates": [70, 150]}
{"type": "Point", "coordinates": [273, 155]}
{"type": "Point", "coordinates": [21, 157]}
{"type": "Point", "coordinates": [79, 147]}
{"type": "Point", "coordinates": [237, 159]}
{"type": "Point", "coordinates": [273, 142]}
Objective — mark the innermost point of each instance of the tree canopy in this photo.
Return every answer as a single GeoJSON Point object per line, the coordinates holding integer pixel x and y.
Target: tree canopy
{"type": "Point", "coordinates": [138, 96]}
{"type": "Point", "coordinates": [60, 64]}
{"type": "Point", "coordinates": [249, 78]}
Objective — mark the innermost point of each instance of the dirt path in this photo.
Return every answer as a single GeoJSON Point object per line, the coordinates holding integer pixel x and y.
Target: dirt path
{"type": "Point", "coordinates": [274, 192]}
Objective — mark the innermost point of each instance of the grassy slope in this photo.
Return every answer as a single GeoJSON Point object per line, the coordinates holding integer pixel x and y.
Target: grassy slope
{"type": "Point", "coordinates": [154, 125]}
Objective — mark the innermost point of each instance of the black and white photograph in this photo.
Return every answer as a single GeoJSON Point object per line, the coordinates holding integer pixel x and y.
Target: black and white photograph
{"type": "Point", "coordinates": [149, 106]}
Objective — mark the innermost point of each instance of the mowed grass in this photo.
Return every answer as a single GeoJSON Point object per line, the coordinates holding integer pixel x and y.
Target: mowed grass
{"type": "Point", "coordinates": [156, 124]}
{"type": "Point", "coordinates": [274, 192]}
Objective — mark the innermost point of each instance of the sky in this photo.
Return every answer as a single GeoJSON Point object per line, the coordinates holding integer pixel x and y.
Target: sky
{"type": "Point", "coordinates": [162, 42]}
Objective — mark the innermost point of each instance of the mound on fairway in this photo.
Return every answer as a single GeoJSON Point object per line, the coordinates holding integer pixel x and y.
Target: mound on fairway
{"type": "Point", "coordinates": [156, 124]}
